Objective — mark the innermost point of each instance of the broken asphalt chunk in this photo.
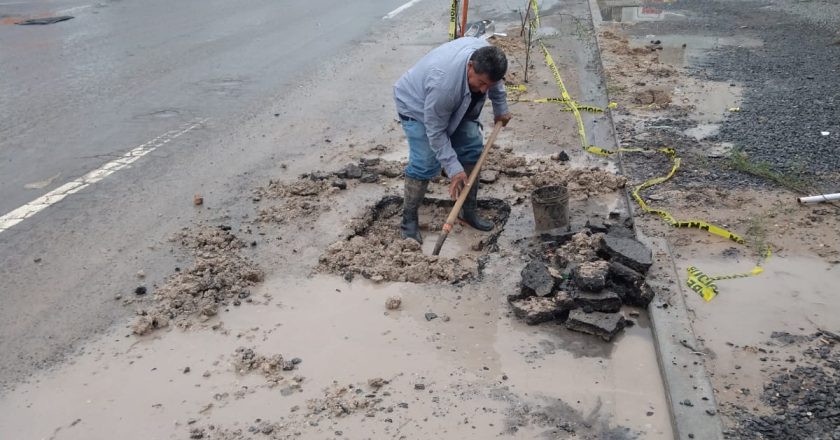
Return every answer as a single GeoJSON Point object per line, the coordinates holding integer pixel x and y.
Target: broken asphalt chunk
{"type": "Point", "coordinates": [536, 280]}
{"type": "Point", "coordinates": [630, 285]}
{"type": "Point", "coordinates": [606, 301]}
{"type": "Point", "coordinates": [604, 325]}
{"type": "Point", "coordinates": [591, 275]}
{"type": "Point", "coordinates": [627, 251]}
{"type": "Point", "coordinates": [535, 309]}
{"type": "Point", "coordinates": [351, 171]}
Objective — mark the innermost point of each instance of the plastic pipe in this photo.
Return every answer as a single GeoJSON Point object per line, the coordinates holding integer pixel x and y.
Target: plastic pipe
{"type": "Point", "coordinates": [820, 198]}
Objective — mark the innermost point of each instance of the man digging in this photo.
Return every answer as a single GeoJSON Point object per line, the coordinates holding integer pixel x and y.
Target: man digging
{"type": "Point", "coordinates": [439, 101]}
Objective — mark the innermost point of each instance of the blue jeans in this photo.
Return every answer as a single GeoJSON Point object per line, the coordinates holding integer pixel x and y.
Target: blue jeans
{"type": "Point", "coordinates": [422, 163]}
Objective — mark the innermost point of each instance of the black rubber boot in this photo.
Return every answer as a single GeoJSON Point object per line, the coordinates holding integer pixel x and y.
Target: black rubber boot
{"type": "Point", "coordinates": [469, 211]}
{"type": "Point", "coordinates": [415, 190]}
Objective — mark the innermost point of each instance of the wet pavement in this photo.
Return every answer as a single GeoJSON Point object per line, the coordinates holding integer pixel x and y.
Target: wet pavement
{"type": "Point", "coordinates": [78, 94]}
{"type": "Point", "coordinates": [479, 368]}
{"type": "Point", "coordinates": [474, 371]}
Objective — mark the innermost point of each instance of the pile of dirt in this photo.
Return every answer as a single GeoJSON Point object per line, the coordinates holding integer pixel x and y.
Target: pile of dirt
{"type": "Point", "coordinates": [505, 161]}
{"type": "Point", "coordinates": [375, 250]}
{"type": "Point", "coordinates": [535, 173]}
{"type": "Point", "coordinates": [660, 98]}
{"type": "Point", "coordinates": [307, 196]}
{"type": "Point", "coordinates": [300, 199]}
{"type": "Point", "coordinates": [340, 401]}
{"type": "Point", "coordinates": [219, 276]}
{"type": "Point", "coordinates": [247, 360]}
{"type": "Point", "coordinates": [581, 182]}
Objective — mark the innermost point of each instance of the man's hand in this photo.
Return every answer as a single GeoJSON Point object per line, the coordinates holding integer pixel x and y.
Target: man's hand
{"type": "Point", "coordinates": [457, 184]}
{"type": "Point", "coordinates": [504, 119]}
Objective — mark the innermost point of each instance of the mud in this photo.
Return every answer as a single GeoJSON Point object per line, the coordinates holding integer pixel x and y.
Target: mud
{"type": "Point", "coordinates": [219, 276]}
{"type": "Point", "coordinates": [313, 193]}
{"type": "Point", "coordinates": [538, 172]}
{"type": "Point", "coordinates": [375, 250]}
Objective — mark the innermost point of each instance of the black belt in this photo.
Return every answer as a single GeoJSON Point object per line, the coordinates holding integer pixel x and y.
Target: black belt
{"type": "Point", "coordinates": [406, 118]}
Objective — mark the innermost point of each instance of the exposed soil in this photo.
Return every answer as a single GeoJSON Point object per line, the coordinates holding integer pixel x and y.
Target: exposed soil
{"type": "Point", "coordinates": [376, 251]}
{"type": "Point", "coordinates": [531, 174]}
{"type": "Point", "coordinates": [219, 276]}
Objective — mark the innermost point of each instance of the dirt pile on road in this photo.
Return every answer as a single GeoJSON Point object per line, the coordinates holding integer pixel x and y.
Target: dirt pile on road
{"type": "Point", "coordinates": [220, 275]}
{"type": "Point", "coordinates": [299, 199]}
{"type": "Point", "coordinates": [340, 401]}
{"type": "Point", "coordinates": [376, 251]}
{"type": "Point", "coordinates": [247, 360]}
{"type": "Point", "coordinates": [309, 195]}
{"type": "Point", "coordinates": [531, 174]}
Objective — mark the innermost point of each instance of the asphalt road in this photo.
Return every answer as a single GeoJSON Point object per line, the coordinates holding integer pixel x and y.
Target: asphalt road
{"type": "Point", "coordinates": [79, 94]}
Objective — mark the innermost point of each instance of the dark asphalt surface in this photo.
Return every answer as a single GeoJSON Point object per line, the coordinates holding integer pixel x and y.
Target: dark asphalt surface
{"type": "Point", "coordinates": [75, 95]}
{"type": "Point", "coordinates": [790, 82]}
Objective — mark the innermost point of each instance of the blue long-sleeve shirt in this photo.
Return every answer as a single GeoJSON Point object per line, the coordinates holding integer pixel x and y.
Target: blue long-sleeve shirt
{"type": "Point", "coordinates": [436, 92]}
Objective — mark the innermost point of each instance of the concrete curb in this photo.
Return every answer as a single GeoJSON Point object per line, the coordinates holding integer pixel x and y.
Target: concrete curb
{"type": "Point", "coordinates": [687, 386]}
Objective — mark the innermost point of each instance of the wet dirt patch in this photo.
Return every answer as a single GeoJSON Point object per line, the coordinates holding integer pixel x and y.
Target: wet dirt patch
{"type": "Point", "coordinates": [375, 250]}
{"type": "Point", "coordinates": [534, 173]}
{"type": "Point", "coordinates": [553, 418]}
{"type": "Point", "coordinates": [311, 193]}
{"type": "Point", "coordinates": [219, 276]}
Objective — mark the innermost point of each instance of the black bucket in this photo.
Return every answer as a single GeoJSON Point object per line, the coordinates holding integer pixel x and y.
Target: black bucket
{"type": "Point", "coordinates": [551, 208]}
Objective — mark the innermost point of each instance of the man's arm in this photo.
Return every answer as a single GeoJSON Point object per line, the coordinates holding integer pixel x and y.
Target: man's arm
{"type": "Point", "coordinates": [498, 96]}
{"type": "Point", "coordinates": [437, 110]}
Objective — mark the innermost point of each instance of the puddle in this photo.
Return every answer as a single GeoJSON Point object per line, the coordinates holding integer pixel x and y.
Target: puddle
{"type": "Point", "coordinates": [632, 14]}
{"type": "Point", "coordinates": [476, 369]}
{"type": "Point", "coordinates": [747, 310]}
{"type": "Point", "coordinates": [796, 295]}
{"type": "Point", "coordinates": [710, 100]}
{"type": "Point", "coordinates": [702, 131]}
{"type": "Point", "coordinates": [680, 50]}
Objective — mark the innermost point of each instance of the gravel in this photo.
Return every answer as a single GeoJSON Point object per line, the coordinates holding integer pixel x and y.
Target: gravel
{"type": "Point", "coordinates": [804, 402]}
{"type": "Point", "coordinates": [790, 80]}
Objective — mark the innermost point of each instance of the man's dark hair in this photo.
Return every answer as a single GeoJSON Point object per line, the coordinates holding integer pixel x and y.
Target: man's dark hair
{"type": "Point", "coordinates": [490, 60]}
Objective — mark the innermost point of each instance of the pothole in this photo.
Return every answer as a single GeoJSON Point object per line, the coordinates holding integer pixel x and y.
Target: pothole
{"type": "Point", "coordinates": [375, 250]}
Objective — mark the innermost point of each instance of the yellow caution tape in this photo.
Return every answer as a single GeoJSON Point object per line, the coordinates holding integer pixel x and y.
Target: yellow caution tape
{"type": "Point", "coordinates": [584, 107]}
{"type": "Point", "coordinates": [701, 284]}
{"type": "Point", "coordinates": [516, 88]}
{"type": "Point", "coordinates": [453, 12]}
{"type": "Point", "coordinates": [536, 10]}
{"type": "Point", "coordinates": [697, 281]}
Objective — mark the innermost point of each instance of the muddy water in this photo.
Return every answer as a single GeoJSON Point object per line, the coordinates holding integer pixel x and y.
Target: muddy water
{"type": "Point", "coordinates": [795, 295]}
{"type": "Point", "coordinates": [477, 365]}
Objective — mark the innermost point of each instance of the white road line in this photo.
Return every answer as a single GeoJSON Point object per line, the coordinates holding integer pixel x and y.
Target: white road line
{"type": "Point", "coordinates": [28, 210]}
{"type": "Point", "coordinates": [394, 13]}
{"type": "Point", "coordinates": [69, 11]}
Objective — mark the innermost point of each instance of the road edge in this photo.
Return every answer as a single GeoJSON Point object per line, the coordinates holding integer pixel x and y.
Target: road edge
{"type": "Point", "coordinates": [688, 388]}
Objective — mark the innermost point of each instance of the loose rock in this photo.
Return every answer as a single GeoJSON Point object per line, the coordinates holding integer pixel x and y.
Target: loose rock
{"type": "Point", "coordinates": [393, 303]}
{"type": "Point", "coordinates": [606, 301]}
{"type": "Point", "coordinates": [536, 280]}
{"type": "Point", "coordinates": [604, 325]}
{"type": "Point", "coordinates": [591, 276]}
{"type": "Point", "coordinates": [626, 251]}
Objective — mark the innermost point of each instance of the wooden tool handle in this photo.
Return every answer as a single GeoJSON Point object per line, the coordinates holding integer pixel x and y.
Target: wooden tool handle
{"type": "Point", "coordinates": [453, 215]}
